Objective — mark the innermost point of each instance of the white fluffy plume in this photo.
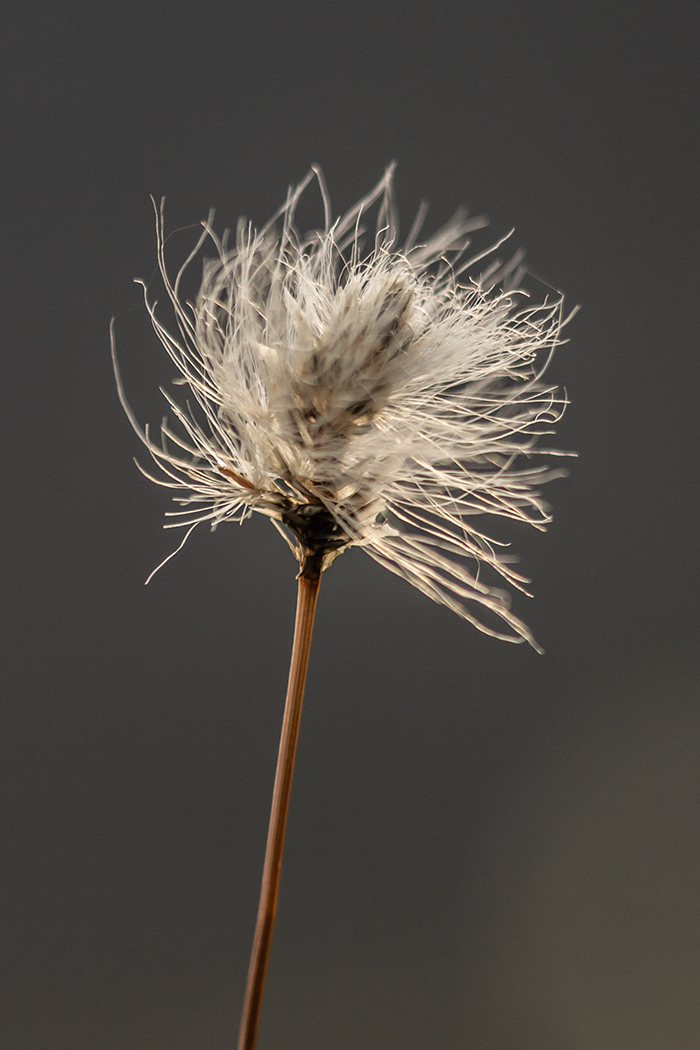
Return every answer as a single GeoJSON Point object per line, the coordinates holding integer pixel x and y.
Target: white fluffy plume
{"type": "Point", "coordinates": [362, 394]}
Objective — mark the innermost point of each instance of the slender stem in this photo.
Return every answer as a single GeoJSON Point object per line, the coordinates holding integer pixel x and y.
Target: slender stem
{"type": "Point", "coordinates": [309, 581]}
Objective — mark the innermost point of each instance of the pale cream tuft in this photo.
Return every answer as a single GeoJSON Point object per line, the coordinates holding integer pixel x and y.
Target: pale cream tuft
{"type": "Point", "coordinates": [374, 396]}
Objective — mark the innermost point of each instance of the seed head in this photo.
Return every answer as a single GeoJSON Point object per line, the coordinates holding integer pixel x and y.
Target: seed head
{"type": "Point", "coordinates": [361, 395]}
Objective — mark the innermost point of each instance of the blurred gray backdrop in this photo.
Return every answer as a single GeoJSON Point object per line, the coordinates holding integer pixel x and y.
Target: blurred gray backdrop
{"type": "Point", "coordinates": [487, 848]}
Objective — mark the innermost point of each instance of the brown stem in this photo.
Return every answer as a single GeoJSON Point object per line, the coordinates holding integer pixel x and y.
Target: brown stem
{"type": "Point", "coordinates": [309, 581]}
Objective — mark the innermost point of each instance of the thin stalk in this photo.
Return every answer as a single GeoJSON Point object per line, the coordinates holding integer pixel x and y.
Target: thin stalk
{"type": "Point", "coordinates": [309, 581]}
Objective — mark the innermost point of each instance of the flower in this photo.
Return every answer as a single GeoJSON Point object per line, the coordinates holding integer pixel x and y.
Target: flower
{"type": "Point", "coordinates": [376, 397]}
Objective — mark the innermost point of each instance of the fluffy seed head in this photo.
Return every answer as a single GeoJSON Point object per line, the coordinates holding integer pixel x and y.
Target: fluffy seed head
{"type": "Point", "coordinates": [361, 393]}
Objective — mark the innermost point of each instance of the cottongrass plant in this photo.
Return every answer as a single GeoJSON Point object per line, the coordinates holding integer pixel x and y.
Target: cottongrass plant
{"type": "Point", "coordinates": [362, 394]}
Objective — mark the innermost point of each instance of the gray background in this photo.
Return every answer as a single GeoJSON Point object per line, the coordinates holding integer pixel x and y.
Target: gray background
{"type": "Point", "coordinates": [487, 849]}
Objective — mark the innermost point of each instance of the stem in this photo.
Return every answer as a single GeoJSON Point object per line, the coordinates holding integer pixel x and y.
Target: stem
{"type": "Point", "coordinates": [309, 581]}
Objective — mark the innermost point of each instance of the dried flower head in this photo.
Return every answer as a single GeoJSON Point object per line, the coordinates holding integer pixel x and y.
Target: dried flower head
{"type": "Point", "coordinates": [377, 397]}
